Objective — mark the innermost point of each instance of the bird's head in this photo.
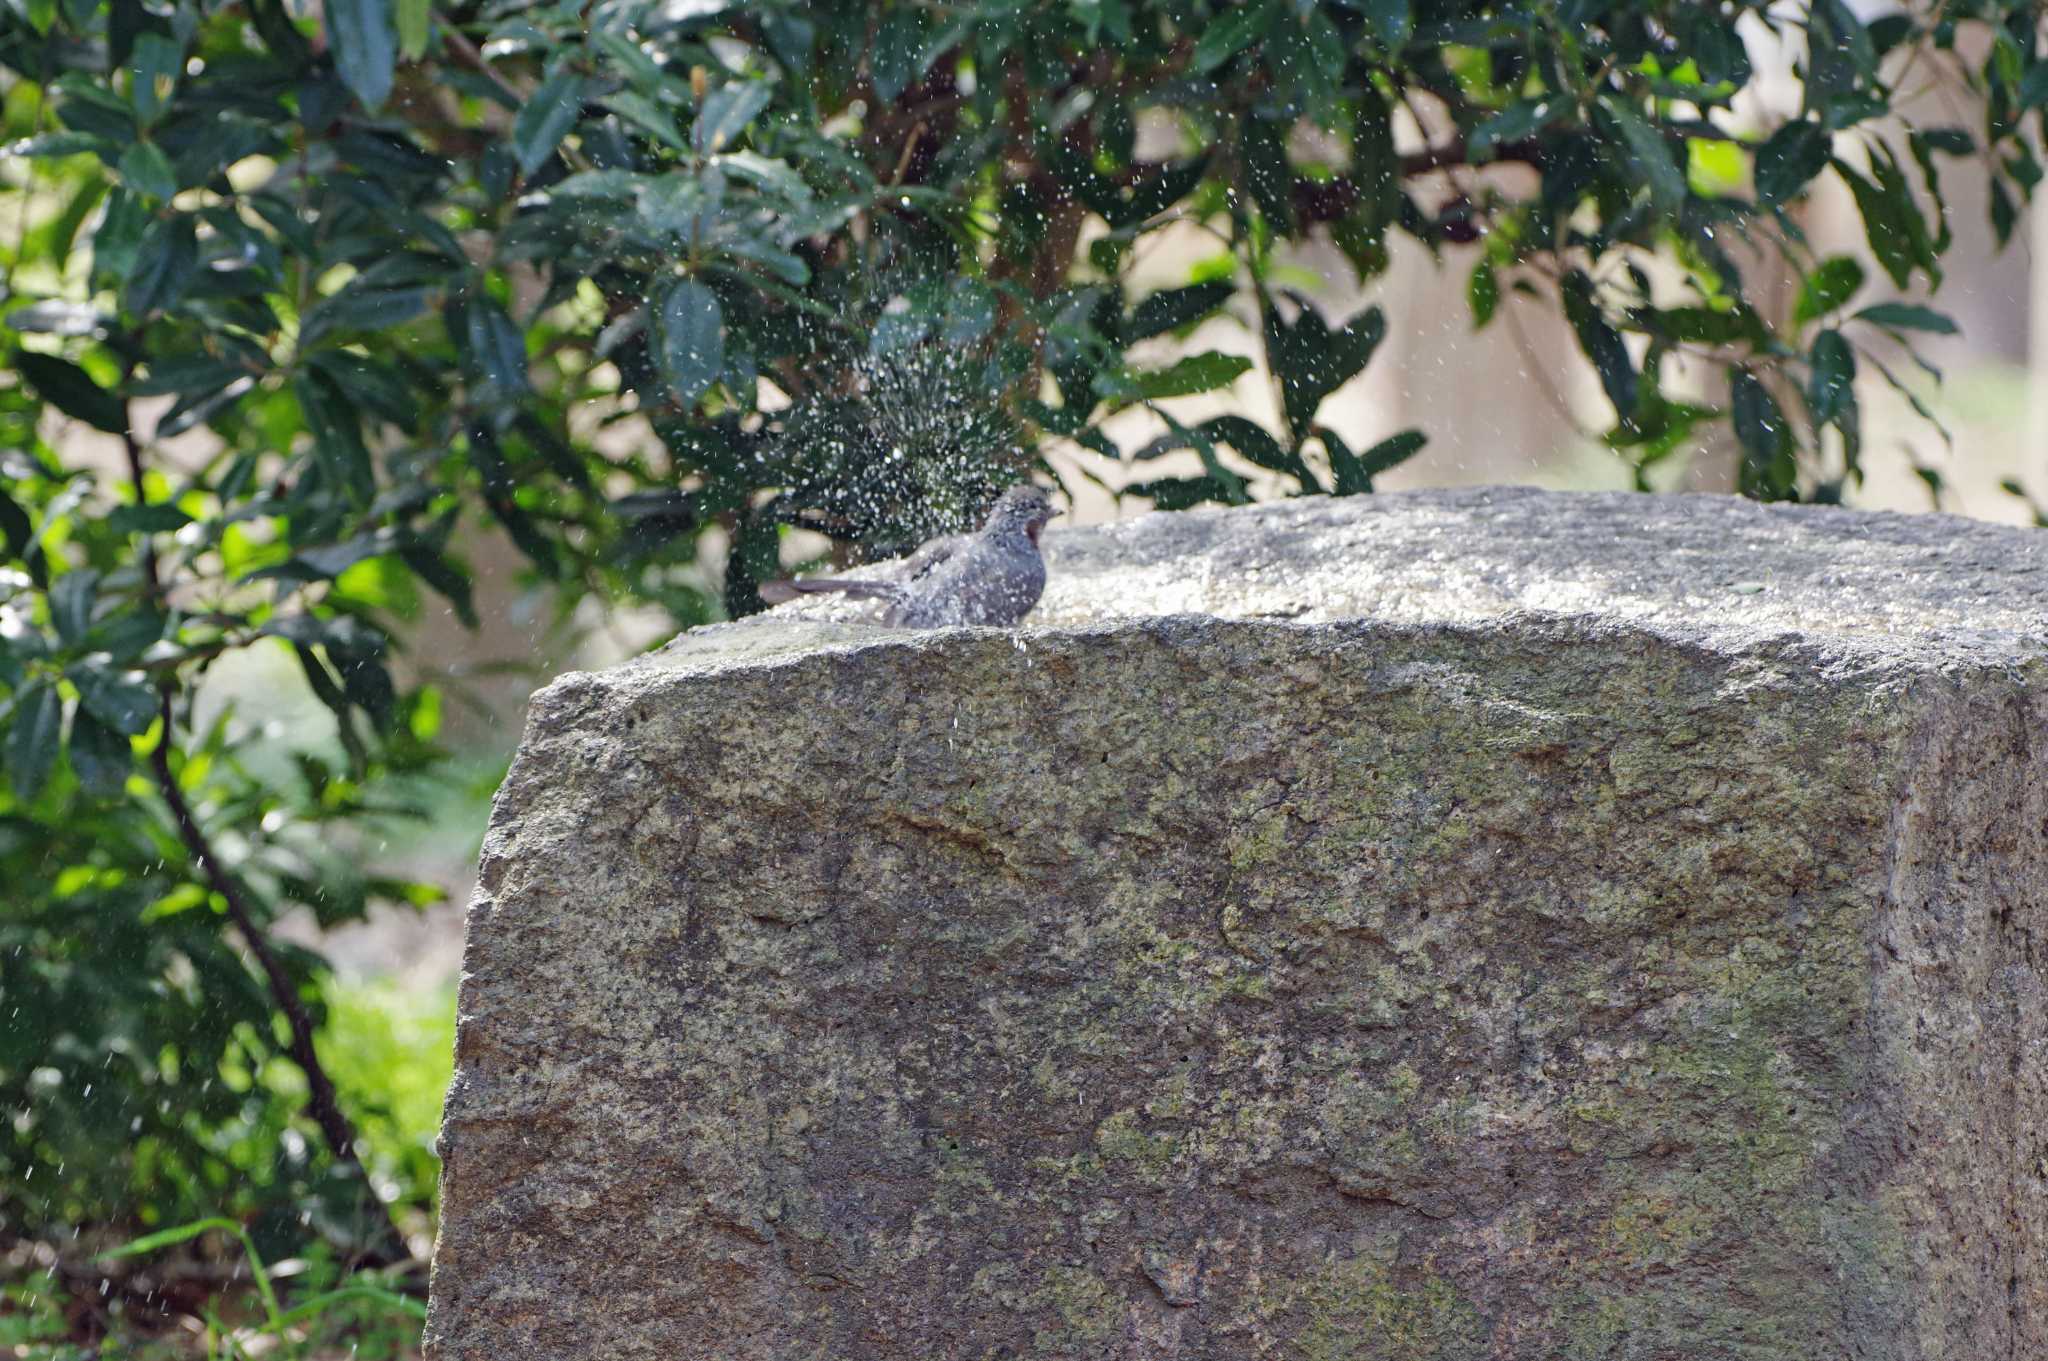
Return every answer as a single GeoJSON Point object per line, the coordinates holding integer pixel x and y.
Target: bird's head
{"type": "Point", "coordinates": [1025, 507]}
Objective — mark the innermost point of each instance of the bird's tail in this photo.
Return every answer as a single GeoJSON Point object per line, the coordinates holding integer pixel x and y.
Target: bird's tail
{"type": "Point", "coordinates": [777, 592]}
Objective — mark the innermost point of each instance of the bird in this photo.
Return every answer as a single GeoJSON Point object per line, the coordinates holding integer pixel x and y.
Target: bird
{"type": "Point", "coordinates": [992, 577]}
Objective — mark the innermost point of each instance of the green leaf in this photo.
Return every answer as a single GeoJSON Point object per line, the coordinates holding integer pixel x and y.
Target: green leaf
{"type": "Point", "coordinates": [1907, 317]}
{"type": "Point", "coordinates": [337, 435]}
{"type": "Point", "coordinates": [1313, 361]}
{"type": "Point", "coordinates": [445, 578]}
{"type": "Point", "coordinates": [365, 52]}
{"type": "Point", "coordinates": [154, 67]}
{"type": "Point", "coordinates": [726, 113]}
{"type": "Point", "coordinates": [1831, 377]}
{"type": "Point", "coordinates": [690, 341]}
{"type": "Point", "coordinates": [1482, 291]}
{"type": "Point", "coordinates": [1794, 154]}
{"type": "Point", "coordinates": [17, 531]}
{"type": "Point", "coordinates": [1517, 122]}
{"type": "Point", "coordinates": [159, 517]}
{"type": "Point", "coordinates": [545, 119]}
{"type": "Point", "coordinates": [1885, 226]}
{"type": "Point", "coordinates": [497, 349]}
{"type": "Point", "coordinates": [101, 758]}
{"type": "Point", "coordinates": [72, 391]}
{"type": "Point", "coordinates": [71, 601]}
{"type": "Point", "coordinates": [1392, 451]}
{"type": "Point", "coordinates": [1828, 287]}
{"type": "Point", "coordinates": [648, 115]}
{"type": "Point", "coordinates": [1389, 21]}
{"type": "Point", "coordinates": [166, 262]}
{"type": "Point", "coordinates": [1195, 373]}
{"type": "Point", "coordinates": [1650, 155]}
{"type": "Point", "coordinates": [33, 738]}
{"type": "Point", "coordinates": [1768, 472]}
{"type": "Point", "coordinates": [164, 1238]}
{"type": "Point", "coordinates": [900, 54]}
{"type": "Point", "coordinates": [1172, 308]}
{"type": "Point", "coordinates": [2033, 89]}
{"type": "Point", "coordinates": [1231, 32]}
{"type": "Point", "coordinates": [120, 699]}
{"type": "Point", "coordinates": [1257, 444]}
{"type": "Point", "coordinates": [1602, 344]}
{"type": "Point", "coordinates": [145, 169]}
{"type": "Point", "coordinates": [413, 23]}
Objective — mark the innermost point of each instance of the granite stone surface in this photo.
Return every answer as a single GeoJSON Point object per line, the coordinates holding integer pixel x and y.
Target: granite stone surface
{"type": "Point", "coordinates": [1486, 924]}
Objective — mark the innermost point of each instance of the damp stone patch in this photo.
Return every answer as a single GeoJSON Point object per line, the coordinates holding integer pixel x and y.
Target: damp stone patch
{"type": "Point", "coordinates": [1492, 924]}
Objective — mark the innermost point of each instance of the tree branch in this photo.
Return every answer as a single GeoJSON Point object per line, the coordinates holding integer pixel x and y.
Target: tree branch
{"type": "Point", "coordinates": [321, 1101]}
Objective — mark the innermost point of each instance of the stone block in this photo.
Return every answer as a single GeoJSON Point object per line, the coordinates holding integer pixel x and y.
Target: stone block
{"type": "Point", "coordinates": [1430, 927]}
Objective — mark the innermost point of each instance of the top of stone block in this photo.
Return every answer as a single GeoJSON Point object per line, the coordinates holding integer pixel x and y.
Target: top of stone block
{"type": "Point", "coordinates": [1926, 590]}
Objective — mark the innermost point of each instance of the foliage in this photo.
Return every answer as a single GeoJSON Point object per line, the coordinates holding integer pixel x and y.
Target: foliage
{"type": "Point", "coordinates": [298, 307]}
{"type": "Point", "coordinates": [356, 1305]}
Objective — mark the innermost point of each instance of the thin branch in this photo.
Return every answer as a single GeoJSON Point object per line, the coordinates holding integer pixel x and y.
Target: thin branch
{"type": "Point", "coordinates": [321, 1101]}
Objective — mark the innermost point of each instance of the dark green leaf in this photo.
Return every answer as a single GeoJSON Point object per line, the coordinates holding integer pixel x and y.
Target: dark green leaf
{"type": "Point", "coordinates": [1885, 226]}
{"type": "Point", "coordinates": [1172, 308]}
{"type": "Point", "coordinates": [1518, 121]}
{"type": "Point", "coordinates": [1907, 317]}
{"type": "Point", "coordinates": [1482, 291]}
{"type": "Point", "coordinates": [166, 262]}
{"type": "Point", "coordinates": [1768, 472]}
{"type": "Point", "coordinates": [497, 349]}
{"type": "Point", "coordinates": [1194, 373]}
{"type": "Point", "coordinates": [2033, 90]}
{"type": "Point", "coordinates": [1258, 446]}
{"type": "Point", "coordinates": [900, 53]}
{"type": "Point", "coordinates": [446, 579]}
{"type": "Point", "coordinates": [33, 737]}
{"type": "Point", "coordinates": [1267, 172]}
{"type": "Point", "coordinates": [16, 530]}
{"type": "Point", "coordinates": [1312, 361]}
{"type": "Point", "coordinates": [1180, 493]}
{"type": "Point", "coordinates": [157, 518]}
{"type": "Point", "coordinates": [120, 699]}
{"type": "Point", "coordinates": [1392, 451]}
{"type": "Point", "coordinates": [101, 758]}
{"type": "Point", "coordinates": [1794, 154]}
{"type": "Point", "coordinates": [648, 116]}
{"type": "Point", "coordinates": [1831, 285]}
{"type": "Point", "coordinates": [71, 601]}
{"type": "Point", "coordinates": [1602, 344]}
{"type": "Point", "coordinates": [1650, 155]}
{"type": "Point", "coordinates": [365, 47]}
{"type": "Point", "coordinates": [1231, 32]}
{"type": "Point", "coordinates": [337, 433]}
{"type": "Point", "coordinates": [726, 113]}
{"type": "Point", "coordinates": [146, 170]}
{"type": "Point", "coordinates": [1832, 374]}
{"type": "Point", "coordinates": [72, 391]}
{"type": "Point", "coordinates": [1389, 21]}
{"type": "Point", "coordinates": [690, 336]}
{"type": "Point", "coordinates": [546, 117]}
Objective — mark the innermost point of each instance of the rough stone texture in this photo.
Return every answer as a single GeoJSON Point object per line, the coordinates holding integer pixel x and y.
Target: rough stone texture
{"type": "Point", "coordinates": [1426, 927]}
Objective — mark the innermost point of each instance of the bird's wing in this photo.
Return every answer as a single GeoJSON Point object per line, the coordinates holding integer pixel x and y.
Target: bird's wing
{"type": "Point", "coordinates": [921, 563]}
